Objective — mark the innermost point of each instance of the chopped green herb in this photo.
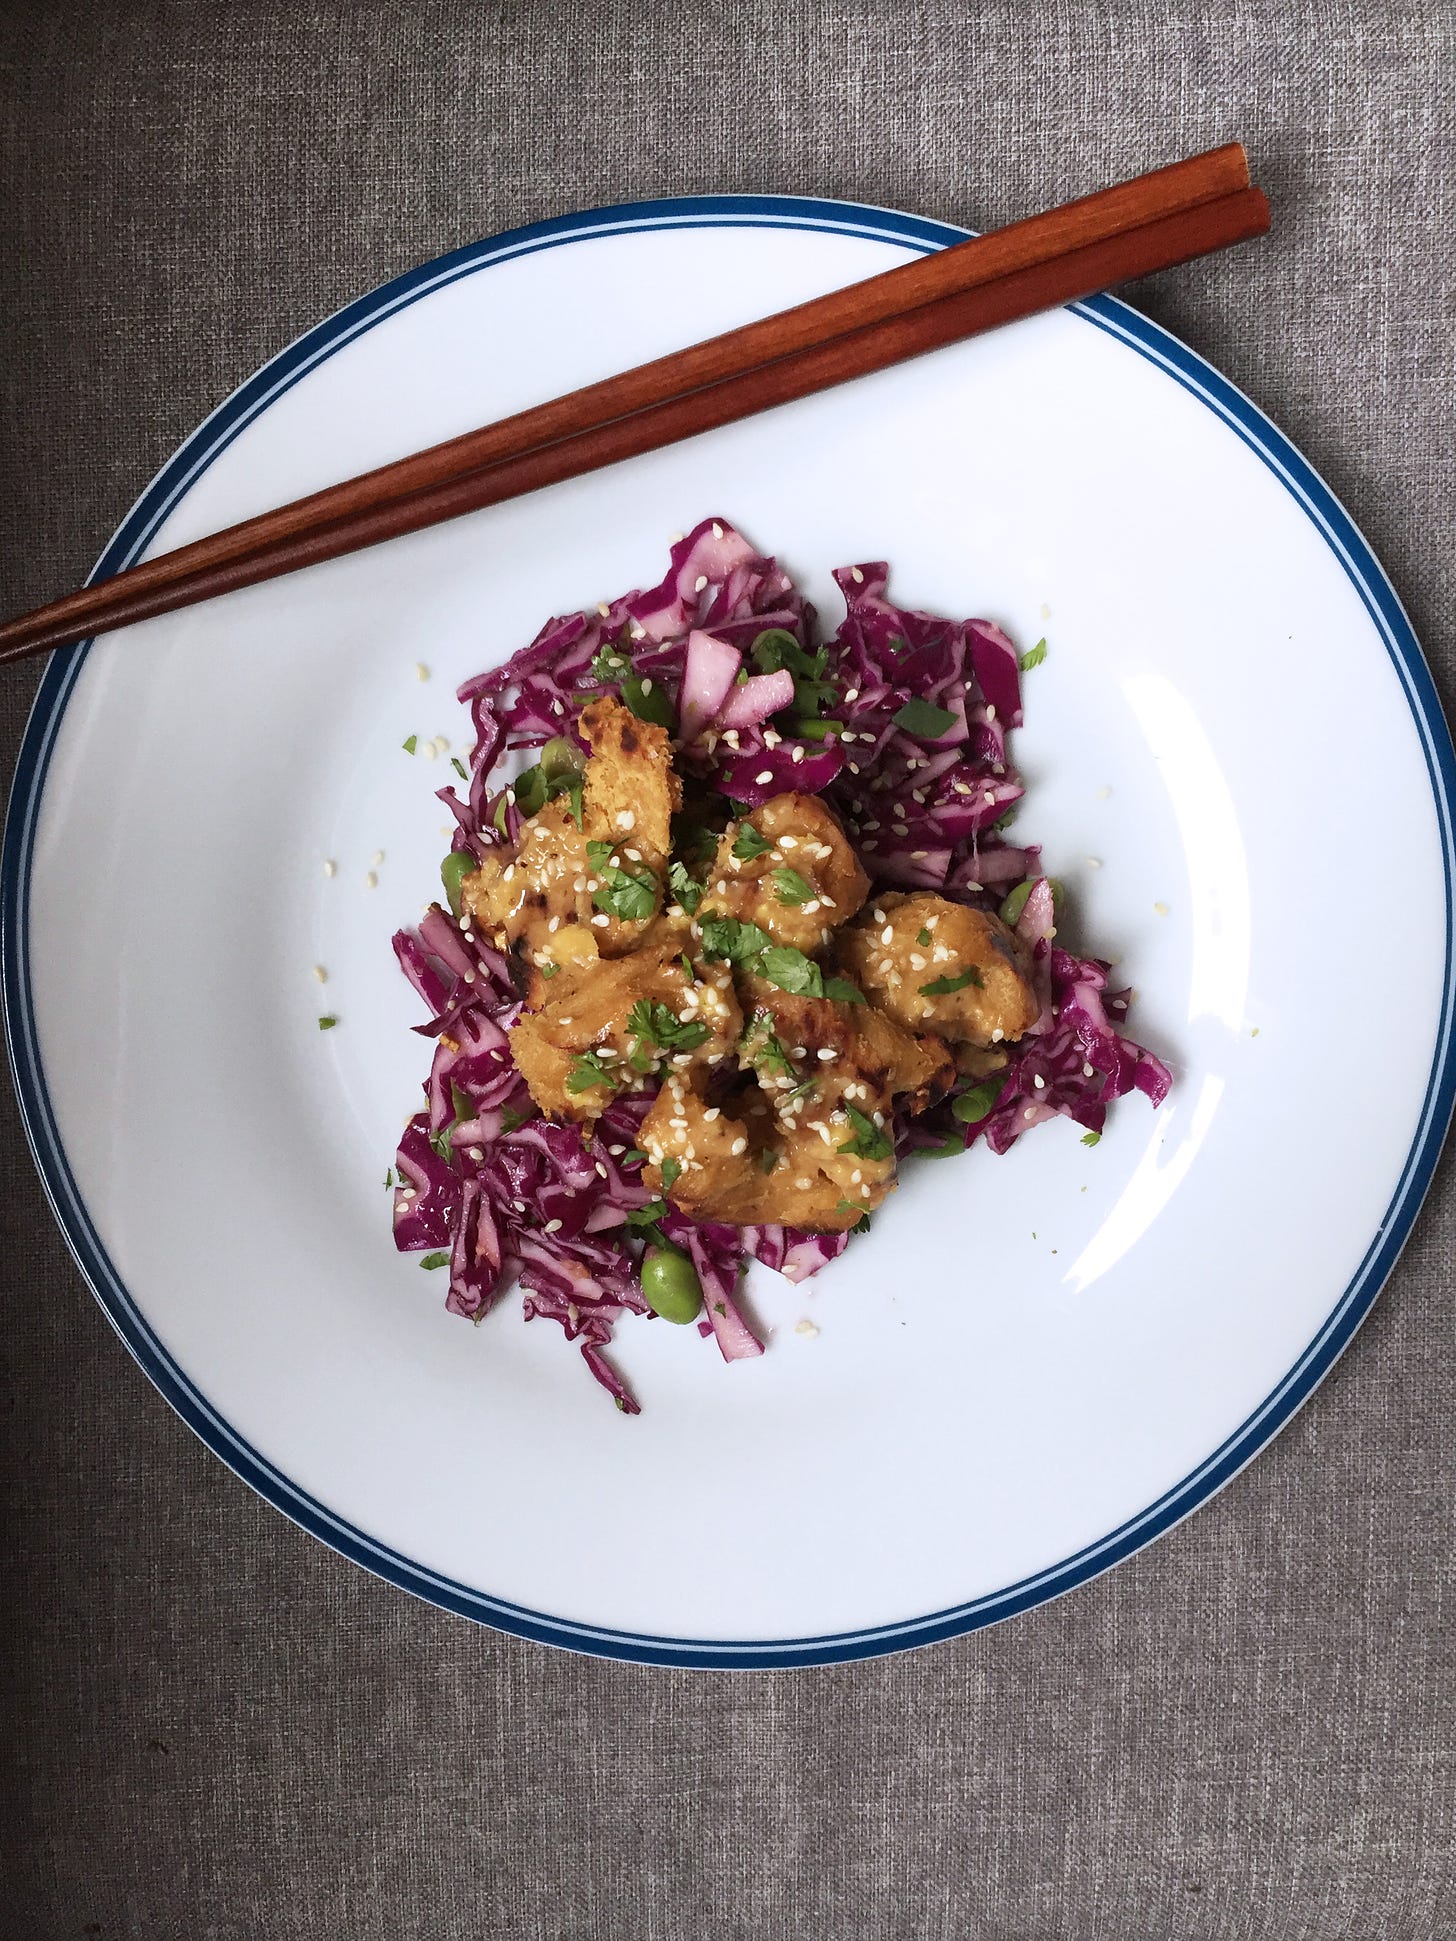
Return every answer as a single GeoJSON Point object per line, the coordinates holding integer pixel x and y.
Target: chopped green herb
{"type": "Point", "coordinates": [923, 939]}
{"type": "Point", "coordinates": [750, 842]}
{"type": "Point", "coordinates": [944, 986]}
{"type": "Point", "coordinates": [688, 972]}
{"type": "Point", "coordinates": [459, 767]}
{"type": "Point", "coordinates": [1091, 1138]}
{"type": "Point", "coordinates": [976, 1104]}
{"type": "Point", "coordinates": [817, 730]}
{"type": "Point", "coordinates": [410, 744]}
{"type": "Point", "coordinates": [868, 1142]}
{"type": "Point", "coordinates": [634, 1156]}
{"type": "Point", "coordinates": [621, 893]}
{"type": "Point", "coordinates": [660, 1025]}
{"type": "Point", "coordinates": [671, 1173]}
{"type": "Point", "coordinates": [799, 1092]}
{"type": "Point", "coordinates": [499, 813]}
{"type": "Point", "coordinates": [767, 1159]}
{"type": "Point", "coordinates": [327, 1024]}
{"type": "Point", "coordinates": [762, 1047]}
{"type": "Point", "coordinates": [726, 937]}
{"type": "Point", "coordinates": [922, 718]}
{"type": "Point", "coordinates": [649, 1215]}
{"type": "Point", "coordinates": [512, 1118]}
{"type": "Point", "coordinates": [1006, 818]}
{"type": "Point", "coordinates": [695, 842]}
{"type": "Point", "coordinates": [647, 703]}
{"type": "Point", "coordinates": [1034, 656]}
{"type": "Point", "coordinates": [441, 1143]}
{"type": "Point", "coordinates": [530, 788]}
{"type": "Point", "coordinates": [431, 1261]}
{"type": "Point", "coordinates": [609, 664]}
{"type": "Point", "coordinates": [791, 887]}
{"type": "Point", "coordinates": [462, 1102]}
{"type": "Point", "coordinates": [588, 1071]}
{"type": "Point", "coordinates": [776, 647]}
{"type": "Point", "coordinates": [561, 758]}
{"type": "Point", "coordinates": [389, 1176]}
{"type": "Point", "coordinates": [683, 887]}
{"type": "Point", "coordinates": [842, 991]}
{"type": "Point", "coordinates": [792, 971]}
{"type": "Point", "coordinates": [548, 967]}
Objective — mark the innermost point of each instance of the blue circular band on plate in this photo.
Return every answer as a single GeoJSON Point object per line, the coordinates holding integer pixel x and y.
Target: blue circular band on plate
{"type": "Point", "coordinates": [212, 437]}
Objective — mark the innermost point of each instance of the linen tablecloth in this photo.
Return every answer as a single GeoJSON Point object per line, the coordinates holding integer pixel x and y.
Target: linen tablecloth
{"type": "Point", "coordinates": [217, 1728]}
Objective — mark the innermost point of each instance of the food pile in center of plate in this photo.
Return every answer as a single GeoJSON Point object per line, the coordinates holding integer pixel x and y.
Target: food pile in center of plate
{"type": "Point", "coordinates": [744, 936]}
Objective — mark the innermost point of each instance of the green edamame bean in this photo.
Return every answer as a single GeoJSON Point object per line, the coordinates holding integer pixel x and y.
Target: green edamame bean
{"type": "Point", "coordinates": [561, 757]}
{"type": "Point", "coordinates": [453, 871]}
{"type": "Point", "coordinates": [671, 1287]}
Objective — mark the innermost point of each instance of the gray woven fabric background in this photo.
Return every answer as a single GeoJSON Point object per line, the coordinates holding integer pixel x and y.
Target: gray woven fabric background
{"type": "Point", "coordinates": [215, 1727]}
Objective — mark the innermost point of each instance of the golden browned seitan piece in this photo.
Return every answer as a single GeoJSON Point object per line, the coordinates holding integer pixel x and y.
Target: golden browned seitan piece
{"type": "Point", "coordinates": [544, 898]}
{"type": "Point", "coordinates": [826, 1076]}
{"type": "Point", "coordinates": [615, 1021]}
{"type": "Point", "coordinates": [804, 850]}
{"type": "Point", "coordinates": [903, 943]}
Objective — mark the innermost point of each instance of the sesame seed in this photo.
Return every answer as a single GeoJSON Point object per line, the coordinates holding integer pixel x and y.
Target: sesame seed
{"type": "Point", "coordinates": [700, 582]}
{"type": "Point", "coordinates": [553, 1226]}
{"type": "Point", "coordinates": [601, 920]}
{"type": "Point", "coordinates": [1094, 862]}
{"type": "Point", "coordinates": [601, 1169]}
{"type": "Point", "coordinates": [802, 1184]}
{"type": "Point", "coordinates": [856, 575]}
{"type": "Point", "coordinates": [330, 869]}
{"type": "Point", "coordinates": [899, 829]}
{"type": "Point", "coordinates": [554, 925]}
{"type": "Point", "coordinates": [826, 1052]}
{"type": "Point", "coordinates": [422, 673]}
{"type": "Point", "coordinates": [990, 712]}
{"type": "Point", "coordinates": [771, 737]}
{"type": "Point", "coordinates": [717, 530]}
{"type": "Point", "coordinates": [1161, 909]}
{"type": "Point", "coordinates": [887, 935]}
{"type": "Point", "coordinates": [796, 754]}
{"type": "Point", "coordinates": [371, 881]}
{"type": "Point", "coordinates": [1089, 1071]}
{"type": "Point", "coordinates": [711, 1114]}
{"type": "Point", "coordinates": [639, 632]}
{"type": "Point", "coordinates": [740, 1145]}
{"type": "Point", "coordinates": [378, 857]}
{"type": "Point", "coordinates": [807, 1329]}
{"type": "Point", "coordinates": [997, 1035]}
{"type": "Point", "coordinates": [851, 694]}
{"type": "Point", "coordinates": [1103, 793]}
{"type": "Point", "coordinates": [320, 973]}
{"type": "Point", "coordinates": [1039, 1082]}
{"type": "Point", "coordinates": [762, 781]}
{"type": "Point", "coordinates": [864, 1192]}
{"type": "Point", "coordinates": [603, 609]}
{"type": "Point", "coordinates": [1029, 1113]}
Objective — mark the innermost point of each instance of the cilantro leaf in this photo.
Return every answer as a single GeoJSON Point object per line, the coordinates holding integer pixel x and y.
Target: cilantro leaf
{"type": "Point", "coordinates": [750, 842]}
{"type": "Point", "coordinates": [1034, 656]}
{"type": "Point", "coordinates": [923, 939]}
{"type": "Point", "coordinates": [671, 1173]}
{"type": "Point", "coordinates": [776, 647]}
{"type": "Point", "coordinates": [792, 971]}
{"type": "Point", "coordinates": [327, 1024]}
{"type": "Point", "coordinates": [609, 664]}
{"type": "Point", "coordinates": [842, 991]}
{"type": "Point", "coordinates": [683, 887]}
{"type": "Point", "coordinates": [978, 1103]}
{"type": "Point", "coordinates": [726, 937]}
{"type": "Point", "coordinates": [588, 1071]}
{"type": "Point", "coordinates": [791, 887]}
{"type": "Point", "coordinates": [768, 1159]}
{"type": "Point", "coordinates": [459, 767]}
{"type": "Point", "coordinates": [660, 1025]}
{"type": "Point", "coordinates": [511, 1118]}
{"type": "Point", "coordinates": [410, 744]}
{"type": "Point", "coordinates": [648, 703]}
{"type": "Point", "coordinates": [1091, 1138]}
{"type": "Point", "coordinates": [943, 986]}
{"type": "Point", "coordinates": [762, 1047]}
{"type": "Point", "coordinates": [868, 1141]}
{"type": "Point", "coordinates": [623, 893]}
{"type": "Point", "coordinates": [922, 718]}
{"type": "Point", "coordinates": [431, 1261]}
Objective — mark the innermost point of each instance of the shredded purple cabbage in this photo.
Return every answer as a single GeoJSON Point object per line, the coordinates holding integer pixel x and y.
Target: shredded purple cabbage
{"type": "Point", "coordinates": [516, 1199]}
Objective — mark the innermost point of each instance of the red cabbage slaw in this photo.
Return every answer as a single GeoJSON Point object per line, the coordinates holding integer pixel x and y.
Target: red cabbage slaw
{"type": "Point", "coordinates": [900, 721]}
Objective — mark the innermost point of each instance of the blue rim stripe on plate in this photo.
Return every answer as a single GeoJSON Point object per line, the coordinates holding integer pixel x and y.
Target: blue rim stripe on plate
{"type": "Point", "coordinates": [203, 447]}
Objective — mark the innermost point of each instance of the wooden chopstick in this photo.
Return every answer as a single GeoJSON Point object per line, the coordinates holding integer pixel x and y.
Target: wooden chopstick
{"type": "Point", "coordinates": [1138, 227]}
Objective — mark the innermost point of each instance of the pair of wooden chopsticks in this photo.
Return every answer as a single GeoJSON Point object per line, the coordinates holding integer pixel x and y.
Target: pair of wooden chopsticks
{"type": "Point", "coordinates": [1147, 224]}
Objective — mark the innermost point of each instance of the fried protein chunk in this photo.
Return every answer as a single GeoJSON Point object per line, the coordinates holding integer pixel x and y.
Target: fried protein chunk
{"type": "Point", "coordinates": [560, 896]}
{"type": "Point", "coordinates": [788, 868]}
{"type": "Point", "coordinates": [613, 1023]}
{"type": "Point", "coordinates": [934, 965]}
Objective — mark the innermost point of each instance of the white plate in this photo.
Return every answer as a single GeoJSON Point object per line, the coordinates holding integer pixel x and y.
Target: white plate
{"type": "Point", "coordinates": [1034, 1364]}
